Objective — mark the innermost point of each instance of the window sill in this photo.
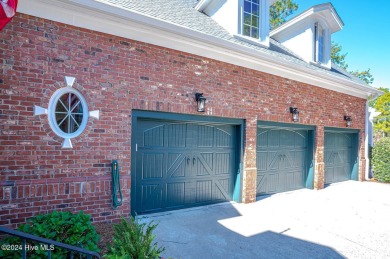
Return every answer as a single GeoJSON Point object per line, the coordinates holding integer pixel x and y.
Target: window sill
{"type": "Point", "coordinates": [321, 65]}
{"type": "Point", "coordinates": [253, 41]}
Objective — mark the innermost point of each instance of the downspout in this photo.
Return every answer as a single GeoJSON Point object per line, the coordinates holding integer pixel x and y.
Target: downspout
{"type": "Point", "coordinates": [367, 140]}
{"type": "Point", "coordinates": [367, 172]}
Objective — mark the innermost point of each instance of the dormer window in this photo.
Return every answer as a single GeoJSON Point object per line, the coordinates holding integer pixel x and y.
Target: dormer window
{"type": "Point", "coordinates": [308, 35]}
{"type": "Point", "coordinates": [319, 35]}
{"type": "Point", "coordinates": [246, 20]}
{"type": "Point", "coordinates": [251, 18]}
{"type": "Point", "coordinates": [321, 45]}
{"type": "Point", "coordinates": [253, 22]}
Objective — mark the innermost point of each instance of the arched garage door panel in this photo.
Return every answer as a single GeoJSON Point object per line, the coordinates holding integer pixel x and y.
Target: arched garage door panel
{"type": "Point", "coordinates": [340, 156]}
{"type": "Point", "coordinates": [182, 164]}
{"type": "Point", "coordinates": [281, 160]}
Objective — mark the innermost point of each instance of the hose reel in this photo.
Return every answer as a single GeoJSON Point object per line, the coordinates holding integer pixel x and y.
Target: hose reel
{"type": "Point", "coordinates": [116, 186]}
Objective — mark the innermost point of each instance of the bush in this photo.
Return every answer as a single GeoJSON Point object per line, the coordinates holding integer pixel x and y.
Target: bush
{"type": "Point", "coordinates": [381, 160]}
{"type": "Point", "coordinates": [64, 227]}
{"type": "Point", "coordinates": [134, 240]}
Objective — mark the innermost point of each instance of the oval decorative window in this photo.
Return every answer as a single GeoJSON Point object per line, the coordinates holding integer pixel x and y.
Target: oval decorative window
{"type": "Point", "coordinates": [67, 112]}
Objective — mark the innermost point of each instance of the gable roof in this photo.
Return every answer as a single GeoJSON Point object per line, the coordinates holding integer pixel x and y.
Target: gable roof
{"type": "Point", "coordinates": [181, 20]}
{"type": "Point", "coordinates": [326, 11]}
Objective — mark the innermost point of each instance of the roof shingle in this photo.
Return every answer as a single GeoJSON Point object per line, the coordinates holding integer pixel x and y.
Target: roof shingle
{"type": "Point", "coordinates": [183, 13]}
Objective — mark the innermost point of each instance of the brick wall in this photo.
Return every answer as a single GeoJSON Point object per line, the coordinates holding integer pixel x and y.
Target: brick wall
{"type": "Point", "coordinates": [116, 75]}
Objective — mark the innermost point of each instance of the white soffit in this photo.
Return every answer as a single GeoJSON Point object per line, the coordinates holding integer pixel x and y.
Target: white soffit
{"type": "Point", "coordinates": [93, 15]}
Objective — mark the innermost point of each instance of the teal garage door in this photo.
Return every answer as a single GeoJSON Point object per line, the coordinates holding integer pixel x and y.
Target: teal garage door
{"type": "Point", "coordinates": [338, 157]}
{"type": "Point", "coordinates": [281, 160]}
{"type": "Point", "coordinates": [182, 164]}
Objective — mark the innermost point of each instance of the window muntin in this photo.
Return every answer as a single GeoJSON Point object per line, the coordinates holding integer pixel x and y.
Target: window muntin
{"type": "Point", "coordinates": [251, 13]}
{"type": "Point", "coordinates": [69, 113]}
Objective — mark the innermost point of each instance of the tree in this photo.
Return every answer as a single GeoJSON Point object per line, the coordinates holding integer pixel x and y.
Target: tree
{"type": "Point", "coordinates": [365, 75]}
{"type": "Point", "coordinates": [280, 10]}
{"type": "Point", "coordinates": [337, 57]}
{"type": "Point", "coordinates": [385, 90]}
{"type": "Point", "coordinates": [372, 101]}
{"type": "Point", "coordinates": [382, 121]}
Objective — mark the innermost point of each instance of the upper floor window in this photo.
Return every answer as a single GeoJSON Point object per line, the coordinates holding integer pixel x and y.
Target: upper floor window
{"type": "Point", "coordinates": [319, 36]}
{"type": "Point", "coordinates": [246, 20]}
{"type": "Point", "coordinates": [251, 27]}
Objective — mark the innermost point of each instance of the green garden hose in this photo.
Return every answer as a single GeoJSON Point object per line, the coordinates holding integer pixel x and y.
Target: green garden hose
{"type": "Point", "coordinates": [116, 186]}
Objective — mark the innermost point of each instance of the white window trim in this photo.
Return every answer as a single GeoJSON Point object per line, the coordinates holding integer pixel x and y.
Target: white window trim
{"type": "Point", "coordinates": [326, 46]}
{"type": "Point", "coordinates": [316, 56]}
{"type": "Point", "coordinates": [326, 62]}
{"type": "Point", "coordinates": [50, 112]}
{"type": "Point", "coordinates": [263, 22]}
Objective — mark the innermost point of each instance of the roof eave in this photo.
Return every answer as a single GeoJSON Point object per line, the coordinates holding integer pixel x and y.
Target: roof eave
{"type": "Point", "coordinates": [109, 19]}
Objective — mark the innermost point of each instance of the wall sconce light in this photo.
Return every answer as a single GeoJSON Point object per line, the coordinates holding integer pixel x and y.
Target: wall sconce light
{"type": "Point", "coordinates": [200, 101]}
{"type": "Point", "coordinates": [349, 121]}
{"type": "Point", "coordinates": [295, 114]}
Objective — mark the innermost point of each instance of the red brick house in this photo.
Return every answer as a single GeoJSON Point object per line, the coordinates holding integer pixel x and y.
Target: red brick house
{"type": "Point", "coordinates": [277, 114]}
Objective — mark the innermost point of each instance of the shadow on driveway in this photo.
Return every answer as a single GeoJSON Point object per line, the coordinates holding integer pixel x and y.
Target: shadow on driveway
{"type": "Point", "coordinates": [221, 231]}
{"type": "Point", "coordinates": [348, 219]}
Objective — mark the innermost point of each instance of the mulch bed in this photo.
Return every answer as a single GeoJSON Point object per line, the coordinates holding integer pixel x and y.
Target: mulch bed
{"type": "Point", "coordinates": [106, 232]}
{"type": "Point", "coordinates": [377, 181]}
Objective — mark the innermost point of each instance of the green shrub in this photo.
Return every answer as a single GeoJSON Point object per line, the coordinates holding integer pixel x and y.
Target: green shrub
{"type": "Point", "coordinates": [134, 240]}
{"type": "Point", "coordinates": [381, 160]}
{"type": "Point", "coordinates": [64, 227]}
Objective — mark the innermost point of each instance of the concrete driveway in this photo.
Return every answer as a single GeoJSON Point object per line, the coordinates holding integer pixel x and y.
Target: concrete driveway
{"type": "Point", "coordinates": [345, 220]}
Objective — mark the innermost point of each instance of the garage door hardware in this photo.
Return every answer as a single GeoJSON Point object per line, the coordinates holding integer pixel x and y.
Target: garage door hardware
{"type": "Point", "coordinates": [189, 160]}
{"type": "Point", "coordinates": [282, 157]}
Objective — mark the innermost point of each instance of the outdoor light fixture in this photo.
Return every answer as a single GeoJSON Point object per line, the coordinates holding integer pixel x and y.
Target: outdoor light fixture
{"type": "Point", "coordinates": [295, 114]}
{"type": "Point", "coordinates": [349, 121]}
{"type": "Point", "coordinates": [200, 101]}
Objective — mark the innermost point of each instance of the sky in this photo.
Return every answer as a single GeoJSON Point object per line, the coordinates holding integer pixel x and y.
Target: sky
{"type": "Point", "coordinates": [365, 36]}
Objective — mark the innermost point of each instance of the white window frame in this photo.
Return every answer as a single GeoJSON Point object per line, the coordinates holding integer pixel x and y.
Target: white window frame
{"type": "Point", "coordinates": [325, 60]}
{"type": "Point", "coordinates": [52, 116]}
{"type": "Point", "coordinates": [318, 52]}
{"type": "Point", "coordinates": [263, 39]}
